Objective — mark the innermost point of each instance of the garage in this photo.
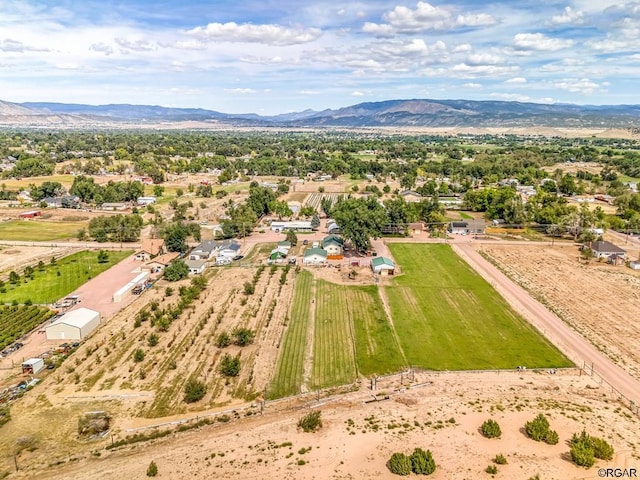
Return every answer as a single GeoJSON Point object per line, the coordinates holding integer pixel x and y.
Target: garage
{"type": "Point", "coordinates": [74, 325]}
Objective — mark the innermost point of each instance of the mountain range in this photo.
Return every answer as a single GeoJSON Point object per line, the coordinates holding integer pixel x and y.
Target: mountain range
{"type": "Point", "coordinates": [391, 113]}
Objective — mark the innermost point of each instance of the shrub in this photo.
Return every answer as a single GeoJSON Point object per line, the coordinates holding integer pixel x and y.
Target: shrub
{"type": "Point", "coordinates": [138, 355]}
{"type": "Point", "coordinates": [538, 430]}
{"type": "Point", "coordinates": [585, 449]}
{"type": "Point", "coordinates": [152, 340]}
{"type": "Point", "coordinates": [500, 459]}
{"type": "Point", "coordinates": [492, 469]}
{"type": "Point", "coordinates": [249, 288]}
{"type": "Point", "coordinates": [400, 464]}
{"type": "Point", "coordinates": [152, 469]}
{"type": "Point", "coordinates": [223, 340]}
{"type": "Point", "coordinates": [230, 366]}
{"type": "Point", "coordinates": [491, 429]}
{"type": "Point", "coordinates": [422, 463]}
{"type": "Point", "coordinates": [601, 449]}
{"type": "Point", "coordinates": [194, 390]}
{"type": "Point", "coordinates": [311, 422]}
{"type": "Point", "coordinates": [243, 336]}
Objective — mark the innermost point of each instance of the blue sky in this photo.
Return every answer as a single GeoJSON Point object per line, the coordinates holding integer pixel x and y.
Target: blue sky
{"type": "Point", "coordinates": [269, 56]}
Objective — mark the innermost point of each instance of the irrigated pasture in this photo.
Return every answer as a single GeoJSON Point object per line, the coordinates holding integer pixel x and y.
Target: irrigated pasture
{"type": "Point", "coordinates": [39, 230]}
{"type": "Point", "coordinates": [50, 282]}
{"type": "Point", "coordinates": [448, 318]}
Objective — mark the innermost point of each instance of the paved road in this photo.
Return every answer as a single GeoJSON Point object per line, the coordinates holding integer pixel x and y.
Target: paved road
{"type": "Point", "coordinates": [571, 343]}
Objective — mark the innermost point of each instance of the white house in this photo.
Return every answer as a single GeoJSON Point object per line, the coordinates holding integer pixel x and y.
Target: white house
{"type": "Point", "coordinates": [196, 267]}
{"type": "Point", "coordinates": [314, 256]}
{"type": "Point", "coordinates": [146, 200]}
{"type": "Point", "coordinates": [228, 250]}
{"type": "Point", "coordinates": [333, 245]}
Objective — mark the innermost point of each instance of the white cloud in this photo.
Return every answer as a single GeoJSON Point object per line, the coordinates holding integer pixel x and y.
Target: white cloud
{"type": "Point", "coordinates": [482, 70]}
{"type": "Point", "coordinates": [357, 94]}
{"type": "Point", "coordinates": [309, 92]}
{"type": "Point", "coordinates": [569, 16]}
{"type": "Point", "coordinates": [16, 46]}
{"type": "Point", "coordinates": [266, 34]}
{"type": "Point", "coordinates": [472, 85]}
{"type": "Point", "coordinates": [423, 18]}
{"type": "Point", "coordinates": [136, 45]}
{"type": "Point", "coordinates": [102, 48]}
{"type": "Point", "coordinates": [241, 91]}
{"type": "Point", "coordinates": [540, 42]}
{"type": "Point", "coordinates": [516, 80]}
{"type": "Point", "coordinates": [484, 59]}
{"type": "Point", "coordinates": [584, 86]}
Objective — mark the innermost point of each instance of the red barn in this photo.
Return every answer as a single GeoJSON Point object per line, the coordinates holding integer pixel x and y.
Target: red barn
{"type": "Point", "coordinates": [31, 214]}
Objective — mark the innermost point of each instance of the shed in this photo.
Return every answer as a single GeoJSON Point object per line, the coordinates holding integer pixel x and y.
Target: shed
{"type": "Point", "coordinates": [32, 366]}
{"type": "Point", "coordinates": [74, 325]}
{"type": "Point", "coordinates": [119, 295]}
{"type": "Point", "coordinates": [383, 266]}
{"type": "Point", "coordinates": [31, 214]}
{"type": "Point", "coordinates": [416, 228]}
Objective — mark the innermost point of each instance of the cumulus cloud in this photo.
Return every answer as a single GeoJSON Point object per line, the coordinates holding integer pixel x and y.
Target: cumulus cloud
{"type": "Point", "coordinates": [425, 17]}
{"type": "Point", "coordinates": [568, 16]}
{"type": "Point", "coordinates": [472, 85]}
{"type": "Point", "coordinates": [540, 42]}
{"type": "Point", "coordinates": [516, 80]}
{"type": "Point", "coordinates": [357, 94]}
{"type": "Point", "coordinates": [465, 70]}
{"type": "Point", "coordinates": [484, 59]}
{"type": "Point", "coordinates": [267, 34]}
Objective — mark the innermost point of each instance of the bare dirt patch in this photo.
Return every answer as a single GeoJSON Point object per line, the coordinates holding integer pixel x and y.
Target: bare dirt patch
{"type": "Point", "coordinates": [599, 301]}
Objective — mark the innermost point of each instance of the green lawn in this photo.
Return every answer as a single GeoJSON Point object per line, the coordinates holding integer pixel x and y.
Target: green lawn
{"type": "Point", "coordinates": [39, 230]}
{"type": "Point", "coordinates": [465, 216]}
{"type": "Point", "coordinates": [57, 281]}
{"type": "Point", "coordinates": [448, 318]}
{"type": "Point", "coordinates": [289, 373]}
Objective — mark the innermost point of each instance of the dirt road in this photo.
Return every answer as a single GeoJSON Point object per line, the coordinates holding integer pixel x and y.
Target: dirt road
{"type": "Point", "coordinates": [563, 336]}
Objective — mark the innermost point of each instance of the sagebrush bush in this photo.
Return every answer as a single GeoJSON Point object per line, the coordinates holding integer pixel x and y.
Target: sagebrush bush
{"type": "Point", "coordinates": [500, 459]}
{"type": "Point", "coordinates": [152, 469]}
{"type": "Point", "coordinates": [491, 429]}
{"type": "Point", "coordinates": [311, 422]}
{"type": "Point", "coordinates": [194, 390]}
{"type": "Point", "coordinates": [422, 463]}
{"type": "Point", "coordinates": [538, 430]}
{"type": "Point", "coordinates": [399, 464]}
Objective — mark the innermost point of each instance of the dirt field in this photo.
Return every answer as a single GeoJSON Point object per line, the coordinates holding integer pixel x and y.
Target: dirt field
{"type": "Point", "coordinates": [600, 301]}
{"type": "Point", "coordinates": [358, 438]}
{"type": "Point", "coordinates": [16, 257]}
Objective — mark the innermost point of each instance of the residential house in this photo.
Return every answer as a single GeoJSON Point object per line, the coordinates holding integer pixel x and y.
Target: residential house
{"type": "Point", "coordinates": [113, 206]}
{"type": "Point", "coordinates": [228, 249]}
{"type": "Point", "coordinates": [284, 245]}
{"type": "Point", "coordinates": [411, 196]}
{"type": "Point", "coordinates": [476, 226]}
{"type": "Point", "coordinates": [159, 263]}
{"type": "Point", "coordinates": [206, 250]}
{"type": "Point", "coordinates": [459, 228]}
{"type": "Point", "coordinates": [314, 256]}
{"type": "Point", "coordinates": [334, 246]}
{"type": "Point", "coordinates": [383, 266]}
{"type": "Point", "coordinates": [151, 247]}
{"type": "Point", "coordinates": [607, 250]}
{"type": "Point", "coordinates": [196, 267]}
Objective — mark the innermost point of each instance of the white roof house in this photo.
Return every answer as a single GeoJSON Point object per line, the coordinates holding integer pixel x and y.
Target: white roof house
{"type": "Point", "coordinates": [74, 325]}
{"type": "Point", "coordinates": [196, 267]}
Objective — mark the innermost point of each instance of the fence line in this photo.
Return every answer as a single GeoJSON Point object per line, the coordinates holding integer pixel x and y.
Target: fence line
{"type": "Point", "coordinates": [588, 369]}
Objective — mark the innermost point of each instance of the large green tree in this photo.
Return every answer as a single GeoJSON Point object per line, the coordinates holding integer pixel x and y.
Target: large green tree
{"type": "Point", "coordinates": [360, 219]}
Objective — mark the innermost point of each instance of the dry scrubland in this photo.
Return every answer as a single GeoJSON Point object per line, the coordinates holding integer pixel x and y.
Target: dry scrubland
{"type": "Point", "coordinates": [598, 300]}
{"type": "Point", "coordinates": [357, 438]}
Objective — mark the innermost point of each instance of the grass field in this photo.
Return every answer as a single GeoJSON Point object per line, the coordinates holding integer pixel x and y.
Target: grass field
{"type": "Point", "coordinates": [57, 281]}
{"type": "Point", "coordinates": [448, 318]}
{"type": "Point", "coordinates": [23, 184]}
{"type": "Point", "coordinates": [333, 350]}
{"type": "Point", "coordinates": [377, 351]}
{"type": "Point", "coordinates": [39, 230]}
{"type": "Point", "coordinates": [289, 373]}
